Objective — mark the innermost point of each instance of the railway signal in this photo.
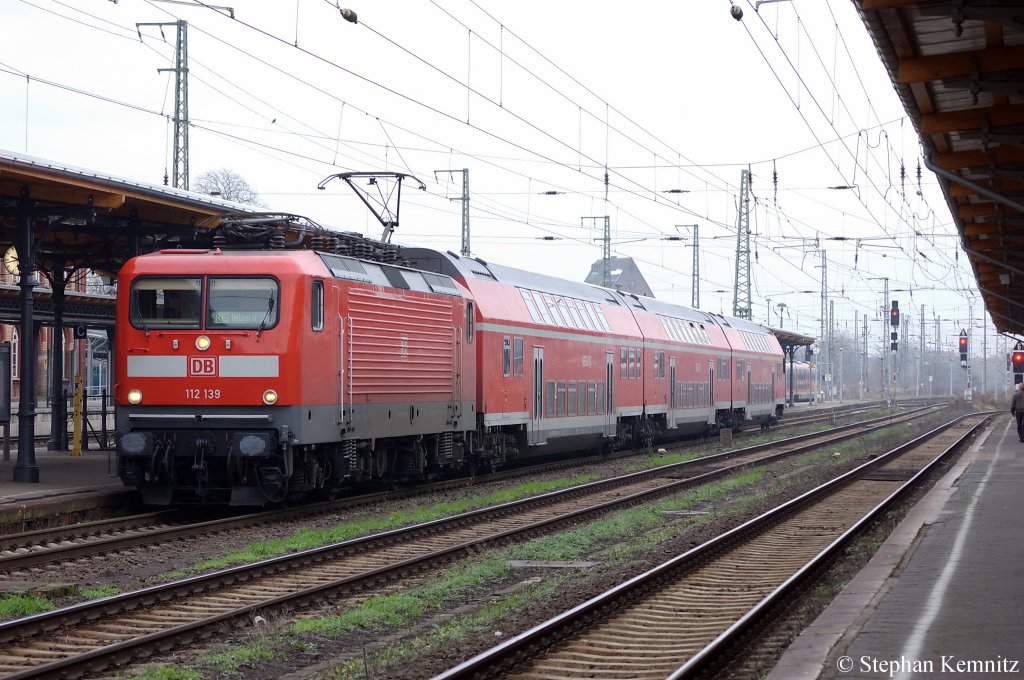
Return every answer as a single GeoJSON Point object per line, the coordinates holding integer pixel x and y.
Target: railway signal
{"type": "Point", "coordinates": [1017, 361]}
{"type": "Point", "coordinates": [894, 320]}
{"type": "Point", "coordinates": [963, 347]}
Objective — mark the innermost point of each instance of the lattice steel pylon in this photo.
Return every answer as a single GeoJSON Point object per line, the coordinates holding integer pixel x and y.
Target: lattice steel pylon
{"type": "Point", "coordinates": [741, 308]}
{"type": "Point", "coordinates": [179, 173]}
{"type": "Point", "coordinates": [179, 166]}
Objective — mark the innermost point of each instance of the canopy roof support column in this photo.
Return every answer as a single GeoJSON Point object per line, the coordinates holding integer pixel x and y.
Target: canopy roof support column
{"type": "Point", "coordinates": [25, 469]}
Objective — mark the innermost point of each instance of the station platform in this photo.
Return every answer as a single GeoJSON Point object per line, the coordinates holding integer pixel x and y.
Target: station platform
{"type": "Point", "coordinates": [72, 485]}
{"type": "Point", "coordinates": [944, 595]}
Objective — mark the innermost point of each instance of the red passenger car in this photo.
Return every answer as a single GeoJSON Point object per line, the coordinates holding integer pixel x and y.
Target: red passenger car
{"type": "Point", "coordinates": [653, 368]}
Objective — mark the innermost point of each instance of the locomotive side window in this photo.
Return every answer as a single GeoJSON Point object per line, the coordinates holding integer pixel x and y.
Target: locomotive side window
{"type": "Point", "coordinates": [166, 302]}
{"type": "Point", "coordinates": [506, 356]}
{"type": "Point", "coordinates": [317, 315]}
{"type": "Point", "coordinates": [470, 322]}
{"type": "Point", "coordinates": [242, 302]}
{"type": "Point", "coordinates": [517, 357]}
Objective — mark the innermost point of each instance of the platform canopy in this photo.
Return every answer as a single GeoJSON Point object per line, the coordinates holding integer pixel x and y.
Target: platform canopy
{"type": "Point", "coordinates": [85, 219]}
{"type": "Point", "coordinates": [958, 66]}
{"type": "Point", "coordinates": [790, 339]}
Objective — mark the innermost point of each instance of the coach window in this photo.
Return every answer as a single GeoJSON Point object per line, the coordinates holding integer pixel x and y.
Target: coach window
{"type": "Point", "coordinates": [571, 398]}
{"type": "Point", "coordinates": [622, 363]}
{"type": "Point", "coordinates": [469, 322]}
{"type": "Point", "coordinates": [517, 357]}
{"type": "Point", "coordinates": [318, 305]}
{"type": "Point", "coordinates": [723, 369]}
{"type": "Point", "coordinates": [531, 305]}
{"type": "Point", "coordinates": [506, 356]}
{"type": "Point", "coordinates": [739, 371]}
{"type": "Point", "coordinates": [560, 399]}
{"type": "Point", "coordinates": [549, 406]}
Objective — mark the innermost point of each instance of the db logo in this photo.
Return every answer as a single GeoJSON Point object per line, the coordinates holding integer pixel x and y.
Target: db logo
{"type": "Point", "coordinates": [202, 366]}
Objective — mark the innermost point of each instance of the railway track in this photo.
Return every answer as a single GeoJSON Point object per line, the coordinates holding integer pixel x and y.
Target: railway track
{"type": "Point", "coordinates": [683, 618]}
{"type": "Point", "coordinates": [102, 537]}
{"type": "Point", "coordinates": [94, 635]}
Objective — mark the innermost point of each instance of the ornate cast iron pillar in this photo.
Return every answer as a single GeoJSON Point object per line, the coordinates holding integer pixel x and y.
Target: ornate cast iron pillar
{"type": "Point", "coordinates": [25, 469]}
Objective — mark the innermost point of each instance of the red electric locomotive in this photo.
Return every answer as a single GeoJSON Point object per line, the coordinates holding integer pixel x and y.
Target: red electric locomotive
{"type": "Point", "coordinates": [246, 376]}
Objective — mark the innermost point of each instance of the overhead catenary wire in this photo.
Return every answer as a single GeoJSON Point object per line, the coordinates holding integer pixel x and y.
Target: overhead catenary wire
{"type": "Point", "coordinates": [644, 189]}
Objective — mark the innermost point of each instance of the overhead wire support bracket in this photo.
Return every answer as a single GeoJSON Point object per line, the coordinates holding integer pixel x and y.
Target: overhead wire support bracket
{"type": "Point", "coordinates": [381, 203]}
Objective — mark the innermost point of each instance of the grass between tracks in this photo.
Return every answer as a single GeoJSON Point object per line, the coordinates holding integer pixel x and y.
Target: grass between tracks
{"type": "Point", "coordinates": [616, 539]}
{"type": "Point", "coordinates": [306, 539]}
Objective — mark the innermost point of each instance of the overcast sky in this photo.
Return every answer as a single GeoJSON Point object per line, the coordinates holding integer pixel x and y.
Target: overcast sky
{"type": "Point", "coordinates": [672, 99]}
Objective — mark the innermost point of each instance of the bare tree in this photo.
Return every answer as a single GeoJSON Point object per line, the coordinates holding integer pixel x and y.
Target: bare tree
{"type": "Point", "coordinates": [228, 185]}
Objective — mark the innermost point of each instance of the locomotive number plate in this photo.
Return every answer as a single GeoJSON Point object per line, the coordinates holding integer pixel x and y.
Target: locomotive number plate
{"type": "Point", "coordinates": [208, 393]}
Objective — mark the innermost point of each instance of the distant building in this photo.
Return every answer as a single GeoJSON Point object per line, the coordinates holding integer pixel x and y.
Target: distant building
{"type": "Point", "coordinates": [623, 274]}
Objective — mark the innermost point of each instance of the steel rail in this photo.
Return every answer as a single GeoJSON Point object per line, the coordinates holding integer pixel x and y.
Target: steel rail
{"type": "Point", "coordinates": [501, 656]}
{"type": "Point", "coordinates": [34, 550]}
{"type": "Point", "coordinates": [159, 640]}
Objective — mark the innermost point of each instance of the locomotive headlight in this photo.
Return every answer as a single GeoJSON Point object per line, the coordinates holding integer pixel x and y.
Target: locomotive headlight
{"type": "Point", "coordinates": [270, 397]}
{"type": "Point", "coordinates": [134, 396]}
{"type": "Point", "coordinates": [202, 343]}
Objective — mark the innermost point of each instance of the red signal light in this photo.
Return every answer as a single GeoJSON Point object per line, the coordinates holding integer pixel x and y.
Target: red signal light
{"type": "Point", "coordinates": [1018, 361]}
{"type": "Point", "coordinates": [963, 344]}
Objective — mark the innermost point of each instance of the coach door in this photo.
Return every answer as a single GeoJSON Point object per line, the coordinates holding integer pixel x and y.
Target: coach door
{"type": "Point", "coordinates": [750, 390]}
{"type": "Point", "coordinates": [673, 402]}
{"type": "Point", "coordinates": [536, 433]}
{"type": "Point", "coordinates": [609, 394]}
{"type": "Point", "coordinates": [711, 392]}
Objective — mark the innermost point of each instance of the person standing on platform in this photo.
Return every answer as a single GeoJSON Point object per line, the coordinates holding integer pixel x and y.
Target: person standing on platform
{"type": "Point", "coordinates": [1017, 409]}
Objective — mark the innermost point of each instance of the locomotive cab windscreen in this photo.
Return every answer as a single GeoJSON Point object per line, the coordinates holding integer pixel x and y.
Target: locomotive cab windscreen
{"type": "Point", "coordinates": [166, 302]}
{"type": "Point", "coordinates": [231, 303]}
